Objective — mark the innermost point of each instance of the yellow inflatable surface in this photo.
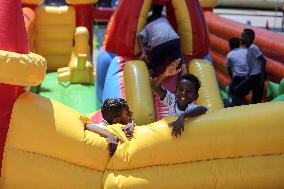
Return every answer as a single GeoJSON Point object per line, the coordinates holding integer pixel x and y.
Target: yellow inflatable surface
{"type": "Point", "coordinates": [47, 146]}
{"type": "Point", "coordinates": [28, 69]}
{"type": "Point", "coordinates": [81, 2]}
{"type": "Point", "coordinates": [209, 3]}
{"type": "Point", "coordinates": [209, 93]}
{"type": "Point", "coordinates": [240, 146]}
{"type": "Point", "coordinates": [55, 28]}
{"type": "Point", "coordinates": [138, 92]}
{"type": "Point", "coordinates": [32, 1]}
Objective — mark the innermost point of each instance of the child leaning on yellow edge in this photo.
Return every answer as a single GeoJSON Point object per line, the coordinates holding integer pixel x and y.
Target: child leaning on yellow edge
{"type": "Point", "coordinates": [114, 111]}
{"type": "Point", "coordinates": [181, 103]}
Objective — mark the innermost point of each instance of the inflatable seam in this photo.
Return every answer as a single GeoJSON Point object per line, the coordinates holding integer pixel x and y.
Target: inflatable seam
{"type": "Point", "coordinates": [48, 156]}
{"type": "Point", "coordinates": [196, 161]}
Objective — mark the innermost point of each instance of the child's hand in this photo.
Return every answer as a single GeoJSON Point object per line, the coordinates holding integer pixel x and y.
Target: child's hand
{"type": "Point", "coordinates": [113, 142]}
{"type": "Point", "coordinates": [172, 68]}
{"type": "Point", "coordinates": [178, 126]}
{"type": "Point", "coordinates": [128, 130]}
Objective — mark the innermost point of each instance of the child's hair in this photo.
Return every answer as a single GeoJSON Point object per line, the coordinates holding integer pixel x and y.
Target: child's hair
{"type": "Point", "coordinates": [156, 12]}
{"type": "Point", "coordinates": [191, 78]}
{"type": "Point", "coordinates": [112, 108]}
{"type": "Point", "coordinates": [157, 9]}
{"type": "Point", "coordinates": [234, 43]}
{"type": "Point", "coordinates": [250, 33]}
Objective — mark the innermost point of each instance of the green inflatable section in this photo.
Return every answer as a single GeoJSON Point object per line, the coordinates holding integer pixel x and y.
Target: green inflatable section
{"type": "Point", "coordinates": [276, 91]}
{"type": "Point", "coordinates": [80, 97]}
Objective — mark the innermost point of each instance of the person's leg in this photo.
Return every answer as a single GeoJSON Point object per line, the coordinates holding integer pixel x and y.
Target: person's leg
{"type": "Point", "coordinates": [174, 49]}
{"type": "Point", "coordinates": [175, 53]}
{"type": "Point", "coordinates": [158, 57]}
{"type": "Point", "coordinates": [257, 90]}
{"type": "Point", "coordinates": [244, 87]}
{"type": "Point", "coordinates": [237, 98]}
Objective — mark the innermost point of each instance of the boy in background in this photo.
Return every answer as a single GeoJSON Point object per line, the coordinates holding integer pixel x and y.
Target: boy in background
{"type": "Point", "coordinates": [257, 66]}
{"type": "Point", "coordinates": [236, 63]}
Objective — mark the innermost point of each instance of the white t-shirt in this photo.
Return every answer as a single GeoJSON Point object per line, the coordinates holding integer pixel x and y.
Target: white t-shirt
{"type": "Point", "coordinates": [102, 124]}
{"type": "Point", "coordinates": [237, 61]}
{"type": "Point", "coordinates": [157, 32]}
{"type": "Point", "coordinates": [170, 101]}
{"type": "Point", "coordinates": [255, 65]}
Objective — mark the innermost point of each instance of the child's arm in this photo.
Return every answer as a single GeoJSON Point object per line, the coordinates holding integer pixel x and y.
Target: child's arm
{"type": "Point", "coordinates": [178, 125]}
{"type": "Point", "coordinates": [111, 138]}
{"type": "Point", "coordinates": [170, 71]}
{"type": "Point", "coordinates": [143, 52]}
{"type": "Point", "coordinates": [263, 62]}
{"type": "Point", "coordinates": [230, 72]}
{"type": "Point", "coordinates": [184, 70]}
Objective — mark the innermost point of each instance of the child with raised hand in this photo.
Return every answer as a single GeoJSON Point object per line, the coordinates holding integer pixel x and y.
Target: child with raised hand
{"type": "Point", "coordinates": [182, 102]}
{"type": "Point", "coordinates": [114, 110]}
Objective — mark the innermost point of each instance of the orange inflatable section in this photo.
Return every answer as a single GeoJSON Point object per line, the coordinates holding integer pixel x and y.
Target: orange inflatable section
{"type": "Point", "coordinates": [222, 29]}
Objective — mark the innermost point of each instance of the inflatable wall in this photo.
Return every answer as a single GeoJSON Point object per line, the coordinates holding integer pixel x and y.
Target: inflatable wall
{"type": "Point", "coordinates": [240, 146]}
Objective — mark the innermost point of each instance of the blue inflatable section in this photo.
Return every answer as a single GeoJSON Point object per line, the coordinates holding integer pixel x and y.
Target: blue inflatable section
{"type": "Point", "coordinates": [208, 57]}
{"type": "Point", "coordinates": [112, 83]}
{"type": "Point", "coordinates": [103, 62]}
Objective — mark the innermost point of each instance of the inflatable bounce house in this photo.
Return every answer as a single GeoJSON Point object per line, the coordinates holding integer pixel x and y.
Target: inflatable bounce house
{"type": "Point", "coordinates": [44, 144]}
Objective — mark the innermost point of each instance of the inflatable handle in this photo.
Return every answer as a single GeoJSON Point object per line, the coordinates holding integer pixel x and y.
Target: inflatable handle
{"type": "Point", "coordinates": [209, 94]}
{"type": "Point", "coordinates": [81, 40]}
{"type": "Point", "coordinates": [138, 92]}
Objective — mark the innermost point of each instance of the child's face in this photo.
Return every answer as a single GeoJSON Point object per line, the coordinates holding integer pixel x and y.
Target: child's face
{"type": "Point", "coordinates": [185, 92]}
{"type": "Point", "coordinates": [126, 116]}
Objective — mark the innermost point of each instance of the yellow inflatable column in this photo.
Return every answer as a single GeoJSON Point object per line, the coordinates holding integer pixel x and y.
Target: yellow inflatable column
{"type": "Point", "coordinates": [81, 2]}
{"type": "Point", "coordinates": [209, 3]}
{"type": "Point", "coordinates": [32, 1]}
{"type": "Point", "coordinates": [80, 68]}
{"type": "Point", "coordinates": [55, 28]}
{"type": "Point", "coordinates": [209, 93]}
{"type": "Point", "coordinates": [142, 21]}
{"type": "Point", "coordinates": [184, 28]}
{"type": "Point", "coordinates": [138, 92]}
